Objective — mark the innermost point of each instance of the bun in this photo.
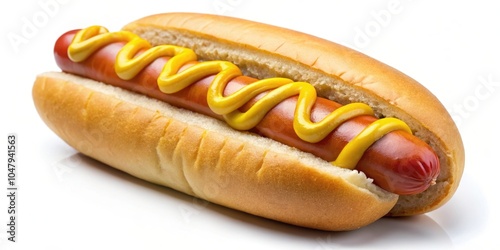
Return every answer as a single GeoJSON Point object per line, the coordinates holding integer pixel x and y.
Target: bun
{"type": "Point", "coordinates": [177, 148]}
{"type": "Point", "coordinates": [337, 72]}
{"type": "Point", "coordinates": [206, 158]}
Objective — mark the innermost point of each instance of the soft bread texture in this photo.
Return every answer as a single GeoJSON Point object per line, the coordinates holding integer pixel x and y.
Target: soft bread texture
{"type": "Point", "coordinates": [337, 72]}
{"type": "Point", "coordinates": [204, 157]}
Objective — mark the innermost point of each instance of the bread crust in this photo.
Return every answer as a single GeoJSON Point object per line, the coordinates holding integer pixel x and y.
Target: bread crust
{"type": "Point", "coordinates": [203, 157]}
{"type": "Point", "coordinates": [338, 73]}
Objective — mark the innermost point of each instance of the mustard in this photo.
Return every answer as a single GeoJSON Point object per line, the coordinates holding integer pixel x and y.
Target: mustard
{"type": "Point", "coordinates": [128, 64]}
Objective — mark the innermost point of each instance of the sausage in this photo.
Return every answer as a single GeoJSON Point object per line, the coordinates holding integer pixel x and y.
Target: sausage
{"type": "Point", "coordinates": [398, 162]}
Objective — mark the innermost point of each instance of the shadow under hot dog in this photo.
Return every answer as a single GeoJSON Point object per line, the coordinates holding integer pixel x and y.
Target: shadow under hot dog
{"type": "Point", "coordinates": [417, 231]}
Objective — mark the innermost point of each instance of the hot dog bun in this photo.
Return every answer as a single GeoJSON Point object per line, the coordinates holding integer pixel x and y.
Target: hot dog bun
{"type": "Point", "coordinates": [196, 155]}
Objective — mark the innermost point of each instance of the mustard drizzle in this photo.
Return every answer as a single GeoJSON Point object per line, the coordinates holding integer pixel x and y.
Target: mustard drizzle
{"type": "Point", "coordinates": [128, 64]}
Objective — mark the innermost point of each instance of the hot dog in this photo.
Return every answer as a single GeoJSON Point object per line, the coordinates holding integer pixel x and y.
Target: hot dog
{"type": "Point", "coordinates": [397, 161]}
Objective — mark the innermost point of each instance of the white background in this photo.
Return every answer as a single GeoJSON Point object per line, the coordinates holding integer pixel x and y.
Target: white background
{"type": "Point", "coordinates": [68, 201]}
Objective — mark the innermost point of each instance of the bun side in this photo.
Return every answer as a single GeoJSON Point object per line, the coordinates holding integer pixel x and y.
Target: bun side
{"type": "Point", "coordinates": [337, 72]}
{"type": "Point", "coordinates": [205, 158]}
